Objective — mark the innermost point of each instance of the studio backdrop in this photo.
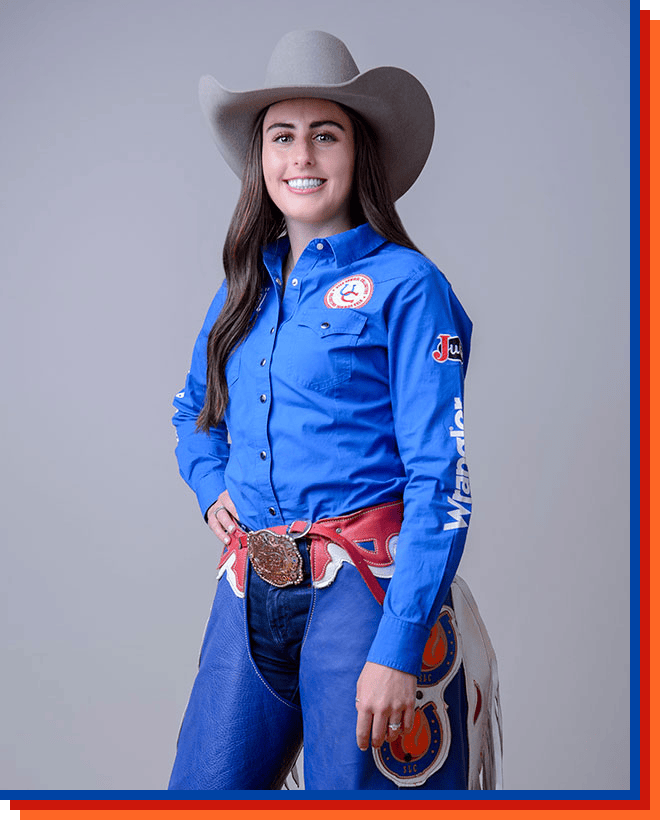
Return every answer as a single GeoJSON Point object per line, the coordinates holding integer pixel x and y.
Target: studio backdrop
{"type": "Point", "coordinates": [115, 204]}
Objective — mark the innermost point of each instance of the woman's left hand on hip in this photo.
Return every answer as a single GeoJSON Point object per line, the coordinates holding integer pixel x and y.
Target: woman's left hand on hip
{"type": "Point", "coordinates": [222, 517]}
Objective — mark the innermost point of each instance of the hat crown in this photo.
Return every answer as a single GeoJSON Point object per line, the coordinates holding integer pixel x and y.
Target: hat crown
{"type": "Point", "coordinates": [307, 57]}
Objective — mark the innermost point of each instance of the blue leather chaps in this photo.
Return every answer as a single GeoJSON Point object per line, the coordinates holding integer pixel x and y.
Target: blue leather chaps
{"type": "Point", "coordinates": [239, 732]}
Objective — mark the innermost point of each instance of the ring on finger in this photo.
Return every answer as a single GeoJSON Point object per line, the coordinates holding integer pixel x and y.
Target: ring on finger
{"type": "Point", "coordinates": [218, 509]}
{"type": "Point", "coordinates": [394, 726]}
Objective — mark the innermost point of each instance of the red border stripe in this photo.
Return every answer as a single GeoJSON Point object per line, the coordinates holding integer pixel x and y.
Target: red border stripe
{"type": "Point", "coordinates": [329, 805]}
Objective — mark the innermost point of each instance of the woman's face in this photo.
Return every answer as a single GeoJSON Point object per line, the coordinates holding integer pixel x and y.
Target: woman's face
{"type": "Point", "coordinates": [307, 159]}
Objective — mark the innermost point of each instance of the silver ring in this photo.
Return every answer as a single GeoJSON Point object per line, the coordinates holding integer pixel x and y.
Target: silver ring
{"type": "Point", "coordinates": [394, 726]}
{"type": "Point", "coordinates": [357, 700]}
{"type": "Point", "coordinates": [217, 510]}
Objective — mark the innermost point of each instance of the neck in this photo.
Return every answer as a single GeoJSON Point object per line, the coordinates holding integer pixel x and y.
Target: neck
{"type": "Point", "coordinates": [301, 234]}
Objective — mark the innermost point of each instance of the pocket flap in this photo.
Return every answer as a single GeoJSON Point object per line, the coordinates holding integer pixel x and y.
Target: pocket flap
{"type": "Point", "coordinates": [326, 322]}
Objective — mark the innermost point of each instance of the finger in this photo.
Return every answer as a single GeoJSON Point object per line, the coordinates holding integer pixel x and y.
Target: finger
{"type": "Point", "coordinates": [394, 721]}
{"type": "Point", "coordinates": [214, 524]}
{"type": "Point", "coordinates": [363, 729]}
{"type": "Point", "coordinates": [229, 506]}
{"type": "Point", "coordinates": [408, 720]}
{"type": "Point", "coordinates": [221, 523]}
{"type": "Point", "coordinates": [225, 520]}
{"type": "Point", "coordinates": [378, 730]}
{"type": "Point", "coordinates": [224, 499]}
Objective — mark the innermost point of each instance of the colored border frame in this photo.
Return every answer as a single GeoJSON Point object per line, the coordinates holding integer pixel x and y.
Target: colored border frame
{"type": "Point", "coordinates": [645, 124]}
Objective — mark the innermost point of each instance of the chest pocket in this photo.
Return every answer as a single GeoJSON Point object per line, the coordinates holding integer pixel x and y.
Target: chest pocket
{"type": "Point", "coordinates": [321, 347]}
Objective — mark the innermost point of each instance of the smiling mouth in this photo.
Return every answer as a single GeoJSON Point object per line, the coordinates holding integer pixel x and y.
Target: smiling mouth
{"type": "Point", "coordinates": [305, 183]}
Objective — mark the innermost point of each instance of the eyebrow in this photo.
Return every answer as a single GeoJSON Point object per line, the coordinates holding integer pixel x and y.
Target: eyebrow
{"type": "Point", "coordinates": [317, 124]}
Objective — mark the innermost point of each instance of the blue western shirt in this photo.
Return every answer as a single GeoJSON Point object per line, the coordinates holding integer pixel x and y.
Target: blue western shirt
{"type": "Point", "coordinates": [348, 392]}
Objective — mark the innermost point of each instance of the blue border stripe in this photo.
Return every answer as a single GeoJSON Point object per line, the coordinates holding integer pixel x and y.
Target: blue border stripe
{"type": "Point", "coordinates": [634, 394]}
{"type": "Point", "coordinates": [404, 794]}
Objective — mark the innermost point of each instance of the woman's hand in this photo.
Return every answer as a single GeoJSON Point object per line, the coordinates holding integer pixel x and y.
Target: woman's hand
{"type": "Point", "coordinates": [384, 696]}
{"type": "Point", "coordinates": [221, 517]}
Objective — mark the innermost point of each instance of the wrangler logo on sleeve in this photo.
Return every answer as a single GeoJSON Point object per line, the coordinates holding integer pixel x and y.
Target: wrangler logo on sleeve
{"type": "Point", "coordinates": [461, 495]}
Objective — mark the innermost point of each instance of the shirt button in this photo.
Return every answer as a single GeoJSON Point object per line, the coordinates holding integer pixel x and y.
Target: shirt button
{"type": "Point", "coordinates": [319, 246]}
{"type": "Point", "coordinates": [325, 325]}
{"type": "Point", "coordinates": [263, 455]}
{"type": "Point", "coordinates": [279, 281]}
{"type": "Point", "coordinates": [272, 330]}
{"type": "Point", "coordinates": [262, 362]}
{"type": "Point", "coordinates": [294, 282]}
{"type": "Point", "coordinates": [271, 510]}
{"type": "Point", "coordinates": [262, 398]}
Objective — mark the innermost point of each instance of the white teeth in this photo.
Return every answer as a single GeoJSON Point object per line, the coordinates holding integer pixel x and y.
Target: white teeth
{"type": "Point", "coordinates": [304, 183]}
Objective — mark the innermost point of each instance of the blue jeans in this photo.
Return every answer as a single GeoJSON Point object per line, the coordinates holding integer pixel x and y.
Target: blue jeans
{"type": "Point", "coordinates": [276, 622]}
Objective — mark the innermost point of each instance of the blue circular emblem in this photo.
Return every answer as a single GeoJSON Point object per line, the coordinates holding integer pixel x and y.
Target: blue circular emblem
{"type": "Point", "coordinates": [410, 756]}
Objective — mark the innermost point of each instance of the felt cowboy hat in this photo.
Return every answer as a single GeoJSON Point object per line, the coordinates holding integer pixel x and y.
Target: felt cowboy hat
{"type": "Point", "coordinates": [317, 64]}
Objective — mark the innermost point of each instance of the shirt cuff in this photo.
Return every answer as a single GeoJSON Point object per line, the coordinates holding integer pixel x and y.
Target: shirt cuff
{"type": "Point", "coordinates": [399, 644]}
{"type": "Point", "coordinates": [208, 489]}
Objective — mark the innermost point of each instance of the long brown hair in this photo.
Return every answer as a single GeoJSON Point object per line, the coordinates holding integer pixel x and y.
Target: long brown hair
{"type": "Point", "coordinates": [256, 222]}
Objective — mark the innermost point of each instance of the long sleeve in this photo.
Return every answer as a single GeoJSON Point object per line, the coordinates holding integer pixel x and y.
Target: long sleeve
{"type": "Point", "coordinates": [428, 347]}
{"type": "Point", "coordinates": [202, 457]}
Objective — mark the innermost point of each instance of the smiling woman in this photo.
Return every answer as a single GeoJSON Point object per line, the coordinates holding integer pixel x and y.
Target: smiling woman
{"type": "Point", "coordinates": [307, 159]}
{"type": "Point", "coordinates": [337, 503]}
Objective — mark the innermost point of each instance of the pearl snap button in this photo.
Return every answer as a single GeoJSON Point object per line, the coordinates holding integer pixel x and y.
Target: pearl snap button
{"type": "Point", "coordinates": [272, 330]}
{"type": "Point", "coordinates": [319, 246]}
{"type": "Point", "coordinates": [263, 455]}
{"type": "Point", "coordinates": [325, 325]}
{"type": "Point", "coordinates": [294, 282]}
{"type": "Point", "coordinates": [262, 362]}
{"type": "Point", "coordinates": [279, 281]}
{"type": "Point", "coordinates": [271, 510]}
{"type": "Point", "coordinates": [262, 398]}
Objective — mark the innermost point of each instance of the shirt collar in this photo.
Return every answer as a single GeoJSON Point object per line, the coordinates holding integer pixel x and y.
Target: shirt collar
{"type": "Point", "coordinates": [347, 247]}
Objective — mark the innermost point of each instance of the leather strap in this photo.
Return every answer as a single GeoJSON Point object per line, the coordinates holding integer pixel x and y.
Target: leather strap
{"type": "Point", "coordinates": [326, 530]}
{"type": "Point", "coordinates": [360, 564]}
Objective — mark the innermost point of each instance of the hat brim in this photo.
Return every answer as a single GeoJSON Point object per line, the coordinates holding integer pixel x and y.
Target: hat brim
{"type": "Point", "coordinates": [390, 99]}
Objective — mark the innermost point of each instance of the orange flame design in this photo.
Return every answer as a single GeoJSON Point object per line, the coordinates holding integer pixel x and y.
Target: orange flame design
{"type": "Point", "coordinates": [436, 647]}
{"type": "Point", "coordinates": [416, 744]}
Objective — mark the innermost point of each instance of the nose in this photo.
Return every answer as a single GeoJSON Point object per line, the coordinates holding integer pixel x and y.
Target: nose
{"type": "Point", "coordinates": [303, 154]}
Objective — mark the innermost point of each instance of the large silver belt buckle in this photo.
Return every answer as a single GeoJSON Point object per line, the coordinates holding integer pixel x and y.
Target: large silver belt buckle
{"type": "Point", "coordinates": [276, 558]}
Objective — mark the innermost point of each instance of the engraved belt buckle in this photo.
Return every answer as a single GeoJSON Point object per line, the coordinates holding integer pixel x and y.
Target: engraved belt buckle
{"type": "Point", "coordinates": [276, 558]}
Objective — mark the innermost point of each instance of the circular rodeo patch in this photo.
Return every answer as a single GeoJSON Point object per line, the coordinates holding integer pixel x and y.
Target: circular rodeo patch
{"type": "Point", "coordinates": [411, 758]}
{"type": "Point", "coordinates": [352, 292]}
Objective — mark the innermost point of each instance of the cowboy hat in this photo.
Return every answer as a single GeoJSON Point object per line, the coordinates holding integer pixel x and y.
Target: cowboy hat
{"type": "Point", "coordinates": [316, 64]}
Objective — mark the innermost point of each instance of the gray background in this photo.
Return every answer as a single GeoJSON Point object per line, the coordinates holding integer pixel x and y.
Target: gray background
{"type": "Point", "coordinates": [114, 207]}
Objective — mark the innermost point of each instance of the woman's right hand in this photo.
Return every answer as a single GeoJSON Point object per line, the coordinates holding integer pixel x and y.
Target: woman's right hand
{"type": "Point", "coordinates": [222, 517]}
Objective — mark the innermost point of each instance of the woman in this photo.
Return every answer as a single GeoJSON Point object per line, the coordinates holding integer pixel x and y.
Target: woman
{"type": "Point", "coordinates": [332, 359]}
